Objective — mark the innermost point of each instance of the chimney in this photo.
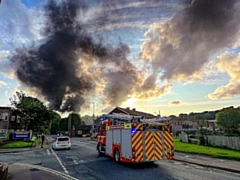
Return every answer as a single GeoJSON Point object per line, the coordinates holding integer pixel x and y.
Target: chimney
{"type": "Point", "coordinates": [134, 109]}
{"type": "Point", "coordinates": [127, 108]}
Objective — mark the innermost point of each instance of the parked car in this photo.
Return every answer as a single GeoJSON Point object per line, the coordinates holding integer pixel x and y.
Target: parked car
{"type": "Point", "coordinates": [62, 142]}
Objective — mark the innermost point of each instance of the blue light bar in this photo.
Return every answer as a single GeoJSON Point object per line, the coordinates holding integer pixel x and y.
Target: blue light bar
{"type": "Point", "coordinates": [133, 131]}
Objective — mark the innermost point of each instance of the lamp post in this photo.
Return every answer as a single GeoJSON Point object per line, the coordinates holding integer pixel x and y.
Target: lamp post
{"type": "Point", "coordinates": [93, 116]}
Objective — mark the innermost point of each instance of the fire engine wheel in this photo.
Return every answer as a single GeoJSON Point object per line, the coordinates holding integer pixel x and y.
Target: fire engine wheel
{"type": "Point", "coordinates": [116, 156]}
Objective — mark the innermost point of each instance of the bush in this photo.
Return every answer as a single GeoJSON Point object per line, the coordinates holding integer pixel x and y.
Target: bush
{"type": "Point", "coordinates": [201, 140]}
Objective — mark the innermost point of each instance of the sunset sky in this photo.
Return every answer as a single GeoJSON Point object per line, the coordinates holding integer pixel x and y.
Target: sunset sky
{"type": "Point", "coordinates": [172, 56]}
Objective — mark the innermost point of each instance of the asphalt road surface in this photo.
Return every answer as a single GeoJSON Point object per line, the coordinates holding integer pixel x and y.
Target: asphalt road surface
{"type": "Point", "coordinates": [82, 162]}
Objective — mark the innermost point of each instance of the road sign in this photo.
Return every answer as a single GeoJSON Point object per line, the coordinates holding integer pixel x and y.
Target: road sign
{"type": "Point", "coordinates": [21, 135]}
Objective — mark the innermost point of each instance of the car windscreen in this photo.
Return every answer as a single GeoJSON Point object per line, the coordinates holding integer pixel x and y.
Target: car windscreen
{"type": "Point", "coordinates": [63, 139]}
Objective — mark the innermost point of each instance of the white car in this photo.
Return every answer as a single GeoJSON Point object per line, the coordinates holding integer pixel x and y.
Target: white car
{"type": "Point", "coordinates": [62, 142]}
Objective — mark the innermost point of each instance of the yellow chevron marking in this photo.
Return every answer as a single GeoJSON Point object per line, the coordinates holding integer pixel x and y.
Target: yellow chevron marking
{"type": "Point", "coordinates": [139, 154]}
{"type": "Point", "coordinates": [138, 137]}
{"type": "Point", "coordinates": [148, 136]}
{"type": "Point", "coordinates": [139, 145]}
{"type": "Point", "coordinates": [158, 156]}
{"type": "Point", "coordinates": [149, 155]}
{"type": "Point", "coordinates": [140, 126]}
{"type": "Point", "coordinates": [139, 151]}
{"type": "Point", "coordinates": [147, 146]}
{"type": "Point", "coordinates": [139, 158]}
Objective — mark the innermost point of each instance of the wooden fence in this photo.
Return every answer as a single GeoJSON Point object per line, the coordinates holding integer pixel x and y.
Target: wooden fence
{"type": "Point", "coordinates": [223, 141]}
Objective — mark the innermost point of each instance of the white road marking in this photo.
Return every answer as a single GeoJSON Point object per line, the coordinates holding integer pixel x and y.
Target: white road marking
{"type": "Point", "coordinates": [60, 162]}
{"type": "Point", "coordinates": [48, 152]}
{"type": "Point", "coordinates": [66, 176]}
{"type": "Point", "coordinates": [75, 161]}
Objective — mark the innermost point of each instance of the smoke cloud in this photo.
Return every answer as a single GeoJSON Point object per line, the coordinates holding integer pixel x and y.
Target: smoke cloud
{"type": "Point", "coordinates": [180, 48]}
{"type": "Point", "coordinates": [71, 65]}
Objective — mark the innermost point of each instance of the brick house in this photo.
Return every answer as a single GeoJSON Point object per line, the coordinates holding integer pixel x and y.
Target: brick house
{"type": "Point", "coordinates": [132, 112]}
{"type": "Point", "coordinates": [81, 130]}
{"type": "Point", "coordinates": [8, 122]}
{"type": "Point", "coordinates": [178, 126]}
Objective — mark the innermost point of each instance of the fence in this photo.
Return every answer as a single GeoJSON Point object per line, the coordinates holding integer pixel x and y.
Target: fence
{"type": "Point", "coordinates": [223, 141]}
{"type": "Point", "coordinates": [183, 137]}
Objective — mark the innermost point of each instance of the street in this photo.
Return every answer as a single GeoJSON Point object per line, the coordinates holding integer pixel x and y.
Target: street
{"type": "Point", "coordinates": [83, 162]}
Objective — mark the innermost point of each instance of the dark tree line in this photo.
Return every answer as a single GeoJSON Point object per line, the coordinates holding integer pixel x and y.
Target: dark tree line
{"type": "Point", "coordinates": [34, 115]}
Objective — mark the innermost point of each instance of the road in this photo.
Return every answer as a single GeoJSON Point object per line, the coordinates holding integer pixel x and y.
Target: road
{"type": "Point", "coordinates": [82, 162]}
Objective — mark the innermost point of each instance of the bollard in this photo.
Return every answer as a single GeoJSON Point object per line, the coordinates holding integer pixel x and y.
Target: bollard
{"type": "Point", "coordinates": [3, 171]}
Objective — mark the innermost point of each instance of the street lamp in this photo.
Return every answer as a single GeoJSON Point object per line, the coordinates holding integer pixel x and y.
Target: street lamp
{"type": "Point", "coordinates": [93, 116]}
{"type": "Point", "coordinates": [93, 110]}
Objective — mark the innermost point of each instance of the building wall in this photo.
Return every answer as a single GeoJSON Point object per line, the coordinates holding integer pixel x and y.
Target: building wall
{"type": "Point", "coordinates": [5, 116]}
{"type": "Point", "coordinates": [180, 125]}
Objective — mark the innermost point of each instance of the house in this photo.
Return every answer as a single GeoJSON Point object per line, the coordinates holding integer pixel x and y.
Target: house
{"type": "Point", "coordinates": [132, 112]}
{"type": "Point", "coordinates": [8, 122]}
{"type": "Point", "coordinates": [211, 124]}
{"type": "Point", "coordinates": [81, 130]}
{"type": "Point", "coordinates": [178, 126]}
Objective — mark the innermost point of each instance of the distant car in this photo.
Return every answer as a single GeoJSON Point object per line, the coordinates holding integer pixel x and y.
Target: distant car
{"type": "Point", "coordinates": [62, 142]}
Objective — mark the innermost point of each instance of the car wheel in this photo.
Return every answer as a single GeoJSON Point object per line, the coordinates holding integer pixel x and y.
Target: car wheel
{"type": "Point", "coordinates": [116, 156]}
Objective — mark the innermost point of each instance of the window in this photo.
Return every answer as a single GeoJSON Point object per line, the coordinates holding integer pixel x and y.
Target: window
{"type": "Point", "coordinates": [5, 116]}
{"type": "Point", "coordinates": [63, 139]}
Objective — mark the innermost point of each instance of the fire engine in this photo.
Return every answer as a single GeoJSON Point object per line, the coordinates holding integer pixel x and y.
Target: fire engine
{"type": "Point", "coordinates": [134, 139]}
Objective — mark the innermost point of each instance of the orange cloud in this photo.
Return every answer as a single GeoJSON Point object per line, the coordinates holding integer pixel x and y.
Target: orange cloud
{"type": "Point", "coordinates": [230, 64]}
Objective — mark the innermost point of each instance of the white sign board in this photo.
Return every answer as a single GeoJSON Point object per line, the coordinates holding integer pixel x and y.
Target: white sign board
{"type": "Point", "coordinates": [3, 133]}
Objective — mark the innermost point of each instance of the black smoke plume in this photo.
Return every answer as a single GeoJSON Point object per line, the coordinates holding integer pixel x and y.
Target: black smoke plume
{"type": "Point", "coordinates": [53, 67]}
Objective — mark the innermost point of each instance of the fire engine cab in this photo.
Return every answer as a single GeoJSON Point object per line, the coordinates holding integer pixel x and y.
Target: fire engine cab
{"type": "Point", "coordinates": [134, 139]}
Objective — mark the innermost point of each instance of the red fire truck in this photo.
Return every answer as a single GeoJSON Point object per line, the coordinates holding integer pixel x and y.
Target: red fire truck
{"type": "Point", "coordinates": [134, 139]}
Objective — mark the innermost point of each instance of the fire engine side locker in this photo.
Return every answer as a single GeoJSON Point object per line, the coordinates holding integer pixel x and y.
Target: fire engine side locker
{"type": "Point", "coordinates": [109, 140]}
{"type": "Point", "coordinates": [126, 143]}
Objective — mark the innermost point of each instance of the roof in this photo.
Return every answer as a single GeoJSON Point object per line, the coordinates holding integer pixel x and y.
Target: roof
{"type": "Point", "coordinates": [132, 112]}
{"type": "Point", "coordinates": [213, 120]}
{"type": "Point", "coordinates": [6, 108]}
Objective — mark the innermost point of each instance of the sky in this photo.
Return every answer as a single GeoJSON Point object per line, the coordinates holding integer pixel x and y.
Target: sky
{"type": "Point", "coordinates": [157, 56]}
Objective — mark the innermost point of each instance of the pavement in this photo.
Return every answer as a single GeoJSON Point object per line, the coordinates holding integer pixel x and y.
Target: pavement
{"type": "Point", "coordinates": [18, 171]}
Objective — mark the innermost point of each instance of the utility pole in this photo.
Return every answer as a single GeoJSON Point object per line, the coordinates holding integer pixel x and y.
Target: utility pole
{"type": "Point", "coordinates": [93, 116]}
{"type": "Point", "coordinates": [69, 125]}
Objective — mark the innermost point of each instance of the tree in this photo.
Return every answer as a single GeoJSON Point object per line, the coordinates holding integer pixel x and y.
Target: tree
{"type": "Point", "coordinates": [228, 120]}
{"type": "Point", "coordinates": [183, 116]}
{"type": "Point", "coordinates": [33, 114]}
{"type": "Point", "coordinates": [55, 122]}
{"type": "Point", "coordinates": [76, 119]}
{"type": "Point", "coordinates": [63, 124]}
{"type": "Point", "coordinates": [173, 117]}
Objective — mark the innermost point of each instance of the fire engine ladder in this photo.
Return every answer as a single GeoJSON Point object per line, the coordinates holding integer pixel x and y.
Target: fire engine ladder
{"type": "Point", "coordinates": [118, 119]}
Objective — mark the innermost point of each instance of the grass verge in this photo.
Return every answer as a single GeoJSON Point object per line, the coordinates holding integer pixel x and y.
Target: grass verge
{"type": "Point", "coordinates": [19, 144]}
{"type": "Point", "coordinates": [206, 150]}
